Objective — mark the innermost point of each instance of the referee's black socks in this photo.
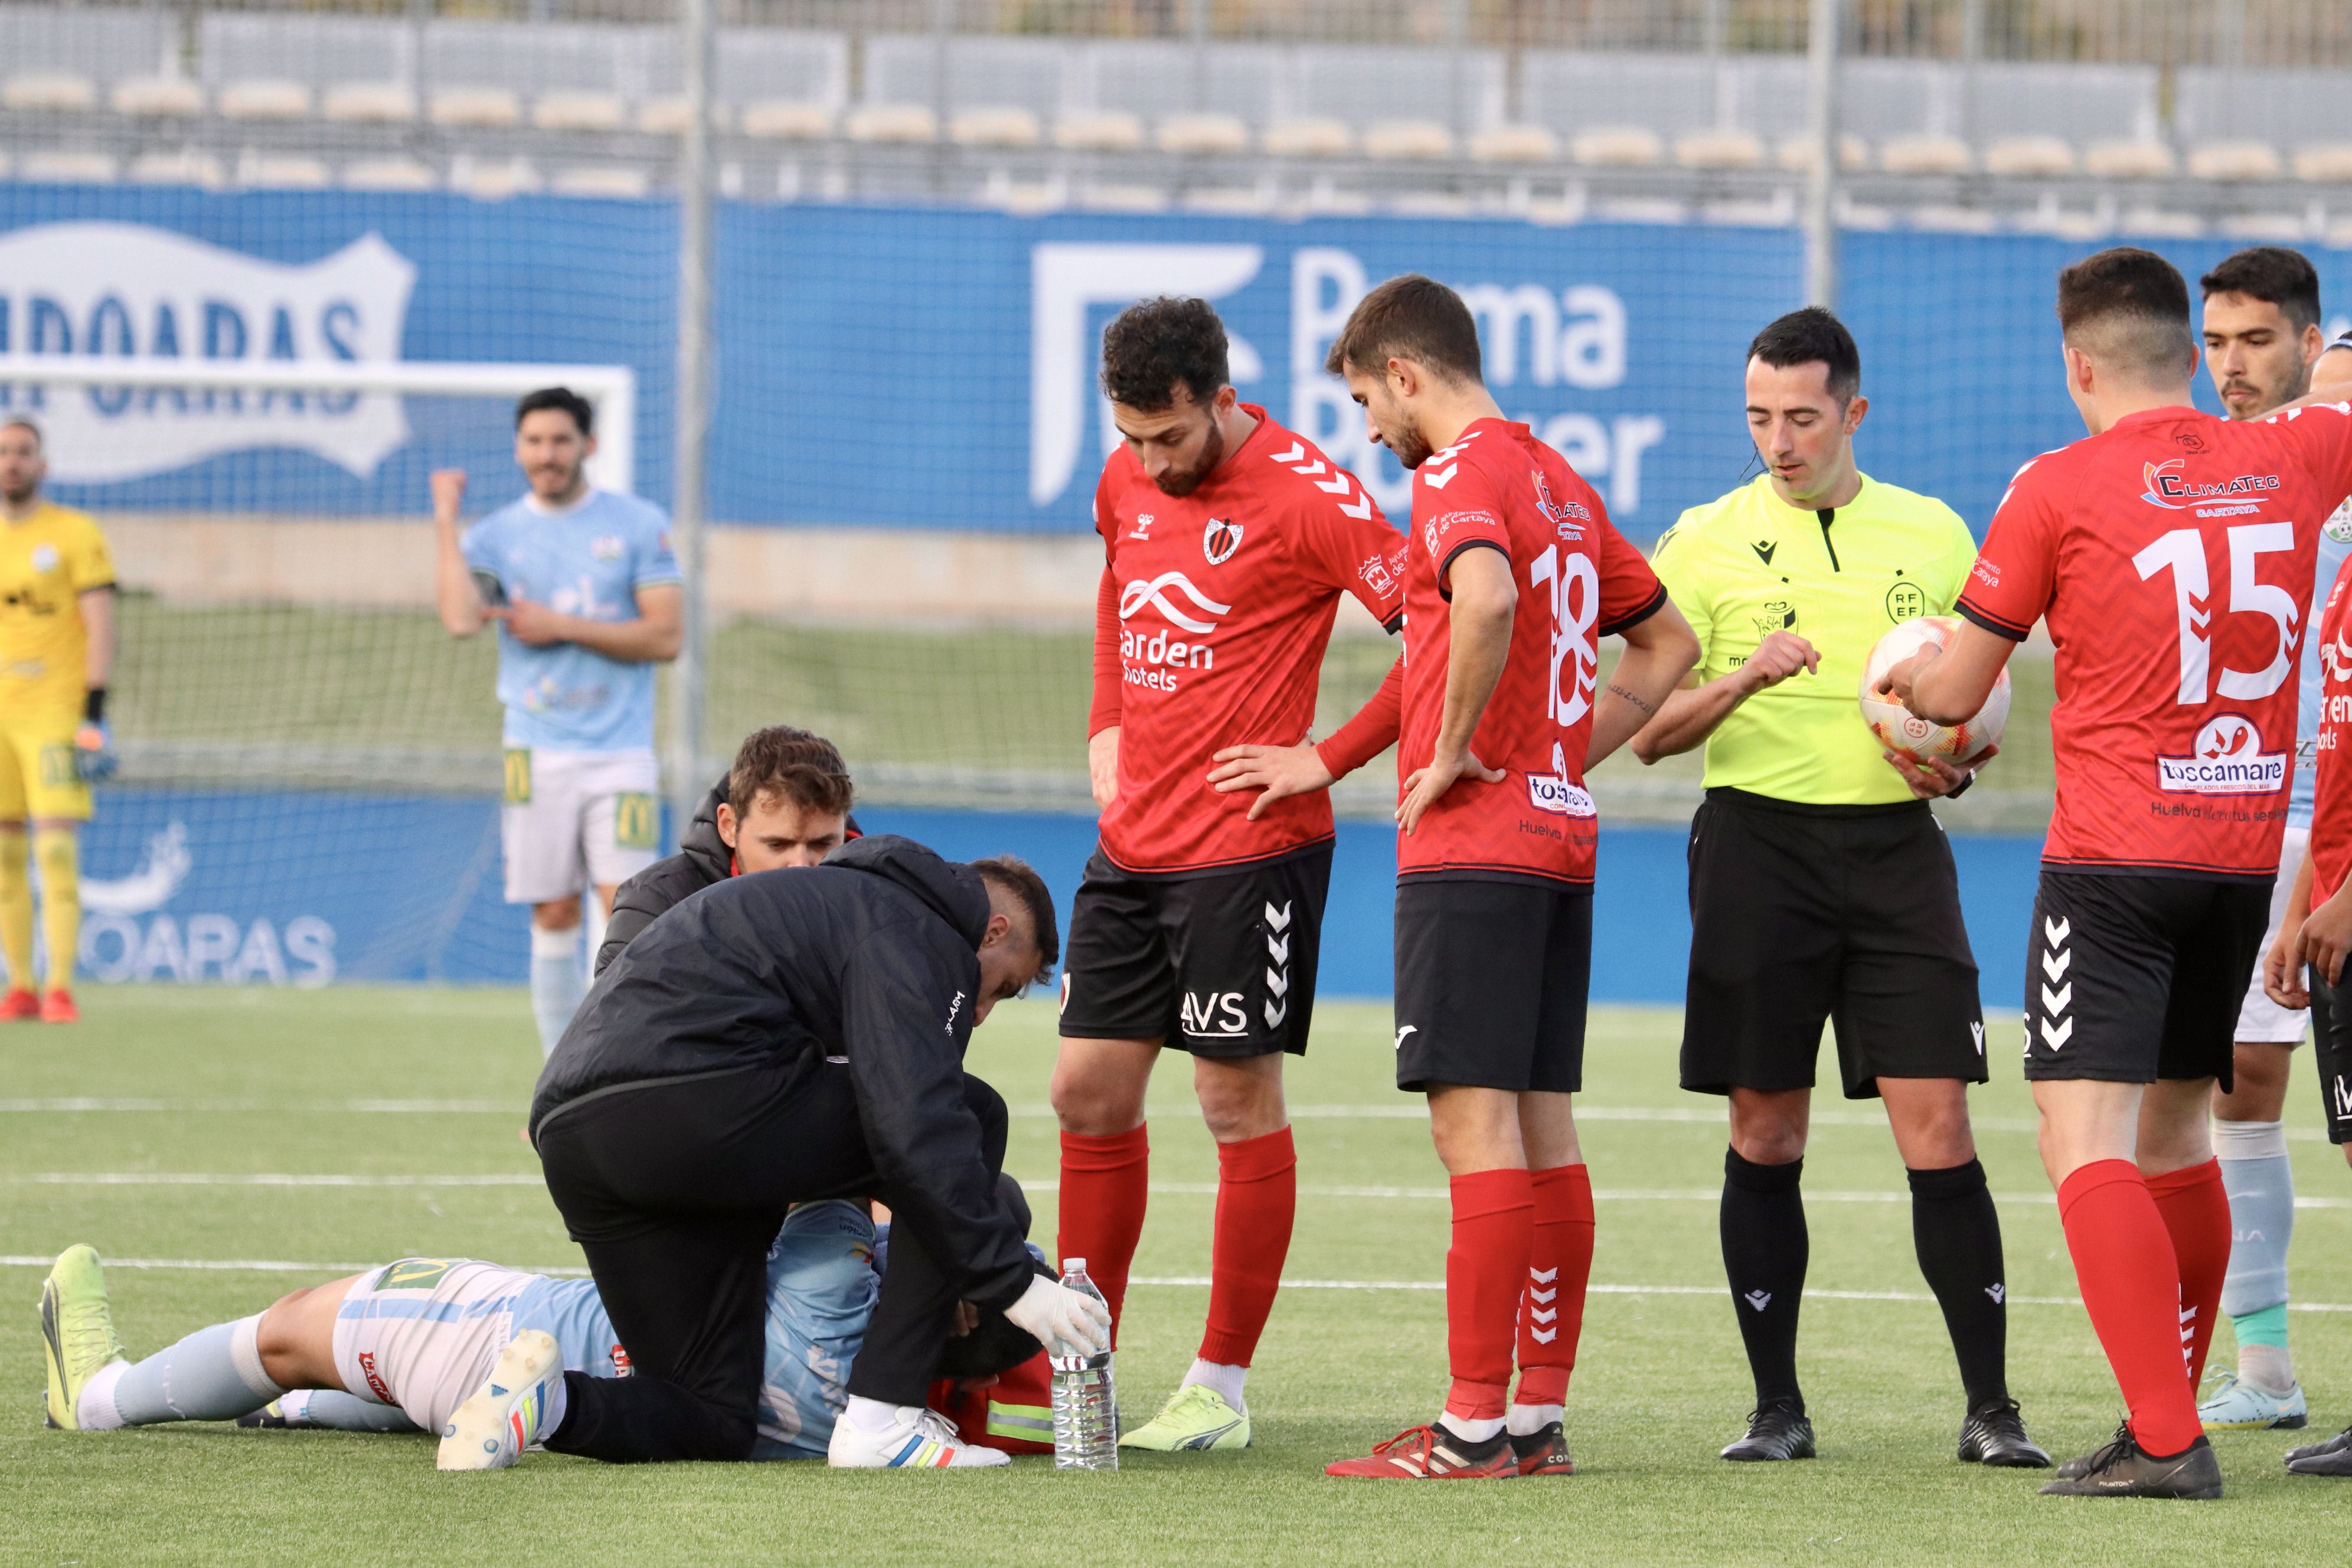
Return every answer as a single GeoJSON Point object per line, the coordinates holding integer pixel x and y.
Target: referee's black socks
{"type": "Point", "coordinates": [1765, 1250]}
{"type": "Point", "coordinates": [1958, 1234]}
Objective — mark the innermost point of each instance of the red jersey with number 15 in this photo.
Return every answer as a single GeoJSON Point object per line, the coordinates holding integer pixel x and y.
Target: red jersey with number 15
{"type": "Point", "coordinates": [1498, 487]}
{"type": "Point", "coordinates": [1210, 628]}
{"type": "Point", "coordinates": [2171, 556]}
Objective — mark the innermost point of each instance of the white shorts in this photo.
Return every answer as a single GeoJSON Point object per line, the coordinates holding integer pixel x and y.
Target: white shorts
{"type": "Point", "coordinates": [2259, 1018]}
{"type": "Point", "coordinates": [424, 1334]}
{"type": "Point", "coordinates": [573, 819]}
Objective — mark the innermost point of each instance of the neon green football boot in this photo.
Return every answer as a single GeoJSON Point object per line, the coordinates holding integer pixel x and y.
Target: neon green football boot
{"type": "Point", "coordinates": [76, 1332]}
{"type": "Point", "coordinates": [1196, 1416]}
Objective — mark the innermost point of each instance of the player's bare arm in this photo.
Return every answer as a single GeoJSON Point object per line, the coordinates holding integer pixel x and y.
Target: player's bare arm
{"type": "Point", "coordinates": [1485, 599]}
{"type": "Point", "coordinates": [2283, 963]}
{"type": "Point", "coordinates": [1950, 687]}
{"type": "Point", "coordinates": [653, 637]}
{"type": "Point", "coordinates": [2325, 936]}
{"type": "Point", "coordinates": [1659, 652]}
{"type": "Point", "coordinates": [1102, 766]}
{"type": "Point", "coordinates": [454, 594]}
{"type": "Point", "coordinates": [1689, 715]}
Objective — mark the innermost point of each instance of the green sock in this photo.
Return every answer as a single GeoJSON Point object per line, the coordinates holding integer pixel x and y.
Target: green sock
{"type": "Point", "coordinates": [2267, 1327]}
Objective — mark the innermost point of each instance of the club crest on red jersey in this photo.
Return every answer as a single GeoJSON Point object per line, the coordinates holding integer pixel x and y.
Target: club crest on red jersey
{"type": "Point", "coordinates": [1220, 540]}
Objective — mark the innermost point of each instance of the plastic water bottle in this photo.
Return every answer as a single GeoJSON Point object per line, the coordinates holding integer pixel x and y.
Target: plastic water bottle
{"type": "Point", "coordinates": [1085, 1404]}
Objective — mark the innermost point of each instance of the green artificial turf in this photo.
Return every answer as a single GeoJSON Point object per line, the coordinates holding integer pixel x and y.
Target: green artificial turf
{"type": "Point", "coordinates": [418, 1083]}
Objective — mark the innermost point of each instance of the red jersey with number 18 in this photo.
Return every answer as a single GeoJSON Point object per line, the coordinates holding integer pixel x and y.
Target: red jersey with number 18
{"type": "Point", "coordinates": [2170, 556]}
{"type": "Point", "coordinates": [1498, 487]}
{"type": "Point", "coordinates": [1210, 628]}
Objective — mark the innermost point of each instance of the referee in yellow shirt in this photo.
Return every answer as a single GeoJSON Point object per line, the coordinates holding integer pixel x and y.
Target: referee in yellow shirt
{"type": "Point", "coordinates": [56, 646]}
{"type": "Point", "coordinates": [1821, 886]}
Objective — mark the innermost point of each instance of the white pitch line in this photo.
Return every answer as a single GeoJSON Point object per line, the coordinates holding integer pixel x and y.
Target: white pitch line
{"type": "Point", "coordinates": [275, 1108]}
{"type": "Point", "coordinates": [267, 1179]}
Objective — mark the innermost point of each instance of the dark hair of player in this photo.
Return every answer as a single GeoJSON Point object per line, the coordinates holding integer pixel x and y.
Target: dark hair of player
{"type": "Point", "coordinates": [583, 414]}
{"type": "Point", "coordinates": [2274, 274]}
{"type": "Point", "coordinates": [803, 768]}
{"type": "Point", "coordinates": [23, 422]}
{"type": "Point", "coordinates": [1020, 878]}
{"type": "Point", "coordinates": [1154, 345]}
{"type": "Point", "coordinates": [2130, 306]}
{"type": "Point", "coordinates": [1811, 336]}
{"type": "Point", "coordinates": [1413, 318]}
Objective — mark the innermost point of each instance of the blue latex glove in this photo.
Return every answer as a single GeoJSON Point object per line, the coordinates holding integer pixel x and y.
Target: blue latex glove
{"type": "Point", "coordinates": [94, 758]}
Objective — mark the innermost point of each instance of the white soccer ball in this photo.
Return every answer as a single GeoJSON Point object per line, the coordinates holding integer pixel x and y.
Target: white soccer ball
{"type": "Point", "coordinates": [1900, 729]}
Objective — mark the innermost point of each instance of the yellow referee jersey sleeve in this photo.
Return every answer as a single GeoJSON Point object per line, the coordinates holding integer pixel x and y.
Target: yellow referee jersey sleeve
{"type": "Point", "coordinates": [47, 560]}
{"type": "Point", "coordinates": [1748, 564]}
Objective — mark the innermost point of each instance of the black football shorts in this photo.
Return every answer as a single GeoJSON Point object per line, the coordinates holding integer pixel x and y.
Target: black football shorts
{"type": "Point", "coordinates": [1803, 915]}
{"type": "Point", "coordinates": [2130, 978]}
{"type": "Point", "coordinates": [2331, 1040]}
{"type": "Point", "coordinates": [1219, 963]}
{"type": "Point", "coordinates": [1491, 983]}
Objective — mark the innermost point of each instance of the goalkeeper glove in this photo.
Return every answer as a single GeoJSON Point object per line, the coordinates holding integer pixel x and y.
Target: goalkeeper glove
{"type": "Point", "coordinates": [93, 753]}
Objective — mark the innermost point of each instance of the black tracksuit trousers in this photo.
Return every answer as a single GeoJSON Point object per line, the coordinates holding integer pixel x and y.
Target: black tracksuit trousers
{"type": "Point", "coordinates": [675, 1190]}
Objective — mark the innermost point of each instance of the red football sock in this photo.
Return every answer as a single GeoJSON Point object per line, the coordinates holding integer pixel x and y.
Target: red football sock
{"type": "Point", "coordinates": [1257, 1196]}
{"type": "Point", "coordinates": [1494, 1228]}
{"type": "Point", "coordinates": [1551, 1313]}
{"type": "Point", "coordinates": [1105, 1183]}
{"type": "Point", "coordinates": [2131, 1282]}
{"type": "Point", "coordinates": [2195, 1210]}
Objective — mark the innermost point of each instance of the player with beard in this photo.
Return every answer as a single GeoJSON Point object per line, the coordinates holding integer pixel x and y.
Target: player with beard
{"type": "Point", "coordinates": [1514, 575]}
{"type": "Point", "coordinates": [1227, 544]}
{"type": "Point", "coordinates": [2262, 340]}
{"type": "Point", "coordinates": [2171, 555]}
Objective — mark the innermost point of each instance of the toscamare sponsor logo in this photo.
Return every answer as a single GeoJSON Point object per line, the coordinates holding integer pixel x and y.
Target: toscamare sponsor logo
{"type": "Point", "coordinates": [2226, 758]}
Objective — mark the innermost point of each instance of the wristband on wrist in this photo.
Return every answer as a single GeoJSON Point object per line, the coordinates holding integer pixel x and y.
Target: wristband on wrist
{"type": "Point", "coordinates": [93, 705]}
{"type": "Point", "coordinates": [1962, 787]}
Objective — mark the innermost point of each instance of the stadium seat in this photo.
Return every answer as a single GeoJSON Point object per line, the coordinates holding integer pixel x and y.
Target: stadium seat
{"type": "Point", "coordinates": [1098, 131]}
{"type": "Point", "coordinates": [1795, 153]}
{"type": "Point", "coordinates": [2278, 227]}
{"type": "Point", "coordinates": [1617, 147]}
{"type": "Point", "coordinates": [185, 167]}
{"type": "Point", "coordinates": [51, 166]}
{"type": "Point", "coordinates": [1516, 144]}
{"type": "Point", "coordinates": [1867, 216]}
{"type": "Point", "coordinates": [779, 119]}
{"type": "Point", "coordinates": [1323, 199]}
{"type": "Point", "coordinates": [1924, 154]}
{"type": "Point", "coordinates": [1774, 212]}
{"type": "Point", "coordinates": [2066, 223]}
{"type": "Point", "coordinates": [2128, 160]}
{"type": "Point", "coordinates": [389, 174]}
{"type": "Point", "coordinates": [1639, 209]}
{"type": "Point", "coordinates": [2234, 161]}
{"type": "Point", "coordinates": [1024, 198]}
{"type": "Point", "coordinates": [665, 116]}
{"type": "Point", "coordinates": [1939, 218]}
{"type": "Point", "coordinates": [1108, 197]}
{"type": "Point", "coordinates": [891, 123]}
{"type": "Point", "coordinates": [492, 182]}
{"type": "Point", "coordinates": [280, 172]}
{"type": "Point", "coordinates": [2339, 234]}
{"type": "Point", "coordinates": [2158, 223]}
{"type": "Point", "coordinates": [266, 99]}
{"type": "Point", "coordinates": [1399, 141]}
{"type": "Point", "coordinates": [157, 98]}
{"type": "Point", "coordinates": [475, 108]}
{"type": "Point", "coordinates": [1725, 148]}
{"type": "Point", "coordinates": [1309, 138]}
{"type": "Point", "coordinates": [995, 125]}
{"type": "Point", "coordinates": [1202, 136]}
{"type": "Point", "coordinates": [579, 111]}
{"type": "Point", "coordinates": [2324, 162]}
{"type": "Point", "coordinates": [369, 103]}
{"type": "Point", "coordinates": [1431, 204]}
{"type": "Point", "coordinates": [47, 93]}
{"type": "Point", "coordinates": [614, 181]}
{"type": "Point", "coordinates": [1232, 201]}
{"type": "Point", "coordinates": [2029, 157]}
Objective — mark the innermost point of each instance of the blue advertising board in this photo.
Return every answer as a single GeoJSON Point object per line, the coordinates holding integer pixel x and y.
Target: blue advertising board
{"type": "Point", "coordinates": [933, 367]}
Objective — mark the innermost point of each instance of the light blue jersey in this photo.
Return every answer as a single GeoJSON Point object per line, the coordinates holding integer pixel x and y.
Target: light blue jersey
{"type": "Point", "coordinates": [2334, 545]}
{"type": "Point", "coordinates": [573, 1311]}
{"type": "Point", "coordinates": [589, 561]}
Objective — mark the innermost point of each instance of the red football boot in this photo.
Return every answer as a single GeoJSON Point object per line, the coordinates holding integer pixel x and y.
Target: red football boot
{"type": "Point", "coordinates": [1434, 1454]}
{"type": "Point", "coordinates": [57, 1008]}
{"type": "Point", "coordinates": [19, 1005]}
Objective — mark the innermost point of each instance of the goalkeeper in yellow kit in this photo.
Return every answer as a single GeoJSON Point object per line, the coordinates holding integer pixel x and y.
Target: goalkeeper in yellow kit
{"type": "Point", "coordinates": [57, 645]}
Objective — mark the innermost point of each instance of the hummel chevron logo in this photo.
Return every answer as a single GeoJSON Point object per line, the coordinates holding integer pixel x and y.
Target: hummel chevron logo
{"type": "Point", "coordinates": [1275, 1013]}
{"type": "Point", "coordinates": [1438, 478]}
{"type": "Point", "coordinates": [2056, 1039]}
{"type": "Point", "coordinates": [1277, 948]}
{"type": "Point", "coordinates": [1996, 1292]}
{"type": "Point", "coordinates": [1543, 1317]}
{"type": "Point", "coordinates": [2057, 931]}
{"type": "Point", "coordinates": [1339, 484]}
{"type": "Point", "coordinates": [1543, 1336]}
{"type": "Point", "coordinates": [2056, 1002]}
{"type": "Point", "coordinates": [2055, 965]}
{"type": "Point", "coordinates": [1543, 1276]}
{"type": "Point", "coordinates": [1277, 981]}
{"type": "Point", "coordinates": [1278, 918]}
{"type": "Point", "coordinates": [1759, 1300]}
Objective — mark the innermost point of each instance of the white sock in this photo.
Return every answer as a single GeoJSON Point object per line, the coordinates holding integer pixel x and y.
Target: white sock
{"type": "Point", "coordinates": [1469, 1431]}
{"type": "Point", "coordinates": [1226, 1380]}
{"type": "Point", "coordinates": [2268, 1367]}
{"type": "Point", "coordinates": [874, 1415]}
{"type": "Point", "coordinates": [557, 1405]}
{"type": "Point", "coordinates": [94, 1410]}
{"type": "Point", "coordinates": [1527, 1420]}
{"type": "Point", "coordinates": [556, 983]}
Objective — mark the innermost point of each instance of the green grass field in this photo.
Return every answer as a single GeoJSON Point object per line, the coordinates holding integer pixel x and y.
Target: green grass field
{"type": "Point", "coordinates": [145, 1131]}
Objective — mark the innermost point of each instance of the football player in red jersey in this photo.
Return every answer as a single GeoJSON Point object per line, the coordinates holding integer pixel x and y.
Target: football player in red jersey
{"type": "Point", "coordinates": [2169, 554]}
{"type": "Point", "coordinates": [1514, 575]}
{"type": "Point", "coordinates": [1228, 541]}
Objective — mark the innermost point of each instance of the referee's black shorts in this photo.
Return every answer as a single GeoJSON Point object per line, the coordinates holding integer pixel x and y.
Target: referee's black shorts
{"type": "Point", "coordinates": [1807, 914]}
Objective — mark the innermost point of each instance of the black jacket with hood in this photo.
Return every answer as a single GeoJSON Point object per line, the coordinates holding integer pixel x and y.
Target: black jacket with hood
{"type": "Point", "coordinates": [701, 859]}
{"type": "Point", "coordinates": [870, 959]}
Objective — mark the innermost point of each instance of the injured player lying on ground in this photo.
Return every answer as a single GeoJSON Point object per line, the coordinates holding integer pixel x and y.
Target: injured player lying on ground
{"type": "Point", "coordinates": [400, 1348]}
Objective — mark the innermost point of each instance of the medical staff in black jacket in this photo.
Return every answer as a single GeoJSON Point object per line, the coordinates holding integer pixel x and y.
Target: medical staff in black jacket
{"type": "Point", "coordinates": [775, 1038]}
